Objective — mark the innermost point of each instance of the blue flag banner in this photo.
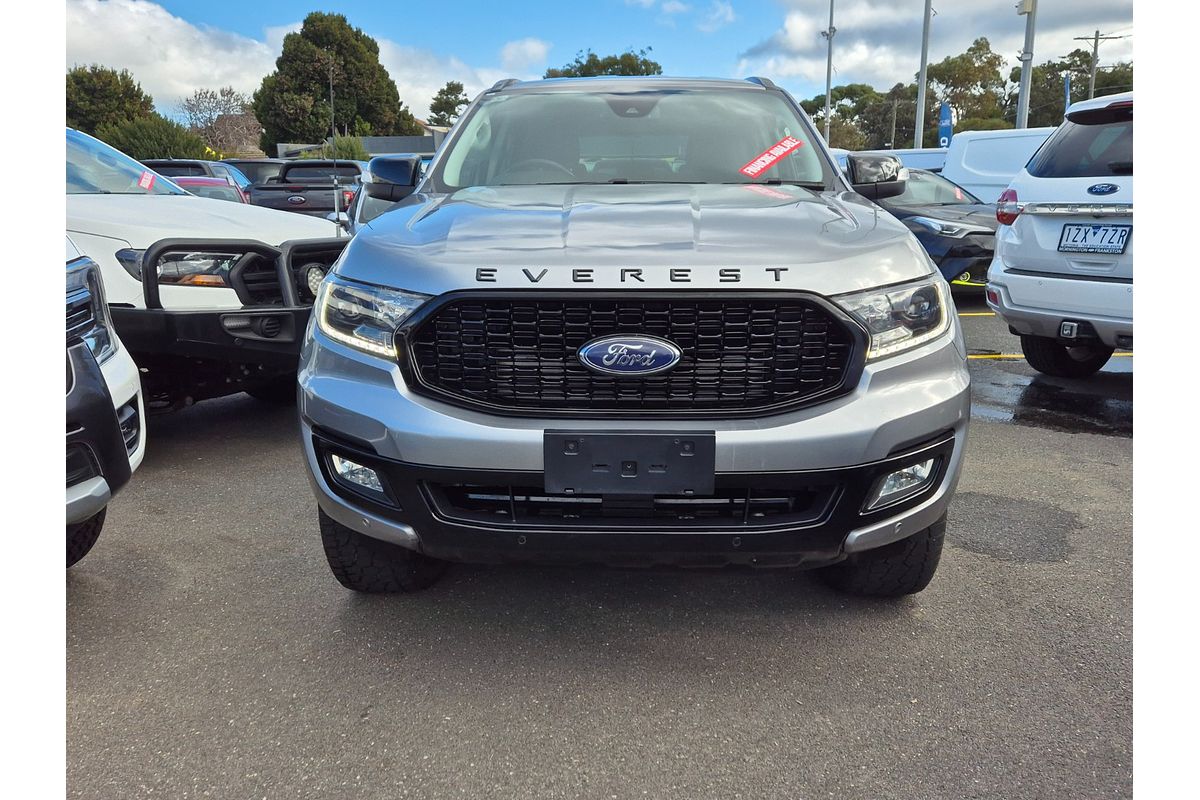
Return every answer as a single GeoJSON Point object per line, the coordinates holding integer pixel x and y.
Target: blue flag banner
{"type": "Point", "coordinates": [945, 126]}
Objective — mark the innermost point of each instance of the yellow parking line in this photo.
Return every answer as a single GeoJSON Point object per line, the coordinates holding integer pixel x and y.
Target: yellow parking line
{"type": "Point", "coordinates": [977, 313]}
{"type": "Point", "coordinates": [1018, 355]}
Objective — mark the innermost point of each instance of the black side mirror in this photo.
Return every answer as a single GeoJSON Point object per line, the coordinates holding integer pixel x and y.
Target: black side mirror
{"type": "Point", "coordinates": [876, 176]}
{"type": "Point", "coordinates": [392, 177]}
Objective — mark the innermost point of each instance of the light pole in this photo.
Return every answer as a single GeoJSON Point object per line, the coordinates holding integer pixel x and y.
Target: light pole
{"type": "Point", "coordinates": [919, 129]}
{"type": "Point", "coordinates": [1028, 8]}
{"type": "Point", "coordinates": [828, 34]}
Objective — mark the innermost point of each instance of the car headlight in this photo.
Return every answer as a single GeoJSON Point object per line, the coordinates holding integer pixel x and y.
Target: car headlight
{"type": "Point", "coordinates": [944, 227]}
{"type": "Point", "coordinates": [99, 334]}
{"type": "Point", "coordinates": [899, 318]}
{"type": "Point", "coordinates": [183, 269]}
{"type": "Point", "coordinates": [362, 315]}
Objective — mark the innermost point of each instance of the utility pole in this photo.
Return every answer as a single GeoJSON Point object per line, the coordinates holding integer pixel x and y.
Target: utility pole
{"type": "Point", "coordinates": [919, 130]}
{"type": "Point", "coordinates": [337, 195]}
{"type": "Point", "coordinates": [828, 34]}
{"type": "Point", "coordinates": [892, 140]}
{"type": "Point", "coordinates": [1095, 39]}
{"type": "Point", "coordinates": [1028, 8]}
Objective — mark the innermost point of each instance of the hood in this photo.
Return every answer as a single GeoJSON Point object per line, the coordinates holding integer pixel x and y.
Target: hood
{"type": "Point", "coordinates": [609, 236]}
{"type": "Point", "coordinates": [141, 220]}
{"type": "Point", "coordinates": [981, 214]}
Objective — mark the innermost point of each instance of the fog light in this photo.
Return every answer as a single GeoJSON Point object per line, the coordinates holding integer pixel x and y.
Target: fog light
{"type": "Point", "coordinates": [350, 472]}
{"type": "Point", "coordinates": [993, 296]}
{"type": "Point", "coordinates": [902, 483]}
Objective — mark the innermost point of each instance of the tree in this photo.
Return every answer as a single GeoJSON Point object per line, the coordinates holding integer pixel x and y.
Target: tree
{"type": "Point", "coordinates": [347, 148]}
{"type": "Point", "coordinates": [587, 65]}
{"type": "Point", "coordinates": [99, 95]}
{"type": "Point", "coordinates": [293, 101]}
{"type": "Point", "coordinates": [845, 134]}
{"type": "Point", "coordinates": [970, 82]}
{"type": "Point", "coordinates": [1046, 96]}
{"type": "Point", "coordinates": [989, 124]}
{"type": "Point", "coordinates": [444, 107]}
{"type": "Point", "coordinates": [153, 136]}
{"type": "Point", "coordinates": [222, 118]}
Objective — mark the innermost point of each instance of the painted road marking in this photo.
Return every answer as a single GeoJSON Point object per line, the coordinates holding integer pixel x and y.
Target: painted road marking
{"type": "Point", "coordinates": [977, 313]}
{"type": "Point", "coordinates": [1019, 355]}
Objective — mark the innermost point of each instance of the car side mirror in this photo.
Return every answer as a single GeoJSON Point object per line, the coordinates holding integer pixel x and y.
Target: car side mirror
{"type": "Point", "coordinates": [392, 177]}
{"type": "Point", "coordinates": [340, 217]}
{"type": "Point", "coordinates": [876, 176]}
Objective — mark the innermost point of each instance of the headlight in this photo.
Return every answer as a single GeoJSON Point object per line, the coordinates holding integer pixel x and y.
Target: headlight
{"type": "Point", "coordinates": [183, 269]}
{"type": "Point", "coordinates": [899, 318]}
{"type": "Point", "coordinates": [362, 315]}
{"type": "Point", "coordinates": [99, 333]}
{"type": "Point", "coordinates": [943, 227]}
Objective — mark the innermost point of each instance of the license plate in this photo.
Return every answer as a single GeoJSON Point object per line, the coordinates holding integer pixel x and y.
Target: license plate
{"type": "Point", "coordinates": [585, 462]}
{"type": "Point", "coordinates": [1094, 238]}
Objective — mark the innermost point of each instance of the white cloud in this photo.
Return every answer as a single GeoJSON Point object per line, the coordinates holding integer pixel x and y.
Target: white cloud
{"type": "Point", "coordinates": [524, 53]}
{"type": "Point", "coordinates": [719, 15]}
{"type": "Point", "coordinates": [674, 7]}
{"type": "Point", "coordinates": [642, 3]}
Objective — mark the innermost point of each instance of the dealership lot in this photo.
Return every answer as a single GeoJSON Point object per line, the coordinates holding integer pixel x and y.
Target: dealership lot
{"type": "Point", "coordinates": [211, 654]}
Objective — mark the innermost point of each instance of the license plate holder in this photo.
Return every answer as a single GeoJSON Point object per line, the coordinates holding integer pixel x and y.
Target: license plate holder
{"type": "Point", "coordinates": [634, 463]}
{"type": "Point", "coordinates": [1094, 238]}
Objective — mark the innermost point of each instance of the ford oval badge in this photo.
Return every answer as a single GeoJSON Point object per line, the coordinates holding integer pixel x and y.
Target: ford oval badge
{"type": "Point", "coordinates": [297, 199]}
{"type": "Point", "coordinates": [1103, 188]}
{"type": "Point", "coordinates": [629, 356]}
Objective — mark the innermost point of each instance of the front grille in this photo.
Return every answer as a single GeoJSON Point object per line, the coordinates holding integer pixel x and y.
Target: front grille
{"type": "Point", "coordinates": [80, 316]}
{"type": "Point", "coordinates": [727, 508]}
{"type": "Point", "coordinates": [518, 353]}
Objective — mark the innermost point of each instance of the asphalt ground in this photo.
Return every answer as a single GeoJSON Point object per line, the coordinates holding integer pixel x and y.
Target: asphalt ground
{"type": "Point", "coordinates": [211, 654]}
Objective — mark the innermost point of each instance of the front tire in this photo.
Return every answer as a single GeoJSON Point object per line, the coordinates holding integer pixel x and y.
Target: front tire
{"type": "Point", "coordinates": [372, 566]}
{"type": "Point", "coordinates": [1048, 356]}
{"type": "Point", "coordinates": [82, 535]}
{"type": "Point", "coordinates": [894, 570]}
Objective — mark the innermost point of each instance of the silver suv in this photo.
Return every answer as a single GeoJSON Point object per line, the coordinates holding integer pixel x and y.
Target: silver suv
{"type": "Point", "coordinates": [634, 321]}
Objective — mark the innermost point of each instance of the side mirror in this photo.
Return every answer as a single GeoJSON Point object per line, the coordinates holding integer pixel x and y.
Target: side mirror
{"type": "Point", "coordinates": [340, 217]}
{"type": "Point", "coordinates": [392, 177]}
{"type": "Point", "coordinates": [876, 176]}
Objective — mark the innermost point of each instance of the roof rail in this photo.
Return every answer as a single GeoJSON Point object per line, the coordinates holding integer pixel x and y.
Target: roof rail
{"type": "Point", "coordinates": [503, 84]}
{"type": "Point", "coordinates": [764, 82]}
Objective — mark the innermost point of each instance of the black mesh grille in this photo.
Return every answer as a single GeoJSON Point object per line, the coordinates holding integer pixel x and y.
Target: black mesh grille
{"type": "Point", "coordinates": [740, 353]}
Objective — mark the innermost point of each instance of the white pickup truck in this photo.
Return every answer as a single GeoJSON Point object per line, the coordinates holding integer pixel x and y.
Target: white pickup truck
{"type": "Point", "coordinates": [200, 323]}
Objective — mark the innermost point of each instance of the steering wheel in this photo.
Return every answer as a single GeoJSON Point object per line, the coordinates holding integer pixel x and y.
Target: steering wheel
{"type": "Point", "coordinates": [528, 163]}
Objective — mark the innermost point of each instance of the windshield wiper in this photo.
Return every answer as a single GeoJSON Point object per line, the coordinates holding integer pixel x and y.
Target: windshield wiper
{"type": "Point", "coordinates": [814, 185]}
{"type": "Point", "coordinates": [627, 180]}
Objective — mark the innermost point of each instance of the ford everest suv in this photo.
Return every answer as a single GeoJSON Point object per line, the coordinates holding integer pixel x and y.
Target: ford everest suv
{"type": "Point", "coordinates": [1062, 275]}
{"type": "Point", "coordinates": [635, 321]}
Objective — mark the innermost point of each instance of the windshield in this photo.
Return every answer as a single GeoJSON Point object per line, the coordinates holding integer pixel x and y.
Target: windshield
{"type": "Point", "coordinates": [926, 189]}
{"type": "Point", "coordinates": [177, 170]}
{"type": "Point", "coordinates": [655, 136]}
{"type": "Point", "coordinates": [226, 192]}
{"type": "Point", "coordinates": [95, 168]}
{"type": "Point", "coordinates": [258, 171]}
{"type": "Point", "coordinates": [1092, 144]}
{"type": "Point", "coordinates": [320, 174]}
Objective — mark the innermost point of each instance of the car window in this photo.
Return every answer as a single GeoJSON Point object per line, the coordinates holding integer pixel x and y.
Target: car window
{"type": "Point", "coordinates": [178, 170]}
{"type": "Point", "coordinates": [1088, 145]}
{"type": "Point", "coordinates": [233, 174]}
{"type": "Point", "coordinates": [651, 136]}
{"type": "Point", "coordinates": [258, 172]}
{"type": "Point", "coordinates": [217, 192]}
{"type": "Point", "coordinates": [96, 168]}
{"type": "Point", "coordinates": [318, 174]}
{"type": "Point", "coordinates": [924, 188]}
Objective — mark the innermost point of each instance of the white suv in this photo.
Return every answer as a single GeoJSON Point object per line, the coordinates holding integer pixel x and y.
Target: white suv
{"type": "Point", "coordinates": [1062, 276]}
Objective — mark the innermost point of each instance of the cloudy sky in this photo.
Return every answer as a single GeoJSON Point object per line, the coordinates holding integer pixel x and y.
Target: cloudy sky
{"type": "Point", "coordinates": [175, 46]}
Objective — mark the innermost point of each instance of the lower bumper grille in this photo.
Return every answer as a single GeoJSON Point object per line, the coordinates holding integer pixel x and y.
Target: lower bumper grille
{"type": "Point", "coordinates": [81, 464]}
{"type": "Point", "coordinates": [732, 508]}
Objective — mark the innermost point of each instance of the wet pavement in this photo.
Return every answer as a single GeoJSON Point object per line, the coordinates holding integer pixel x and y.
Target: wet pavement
{"type": "Point", "coordinates": [211, 654]}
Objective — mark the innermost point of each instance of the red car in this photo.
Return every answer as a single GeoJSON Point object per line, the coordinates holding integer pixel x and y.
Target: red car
{"type": "Point", "coordinates": [216, 188]}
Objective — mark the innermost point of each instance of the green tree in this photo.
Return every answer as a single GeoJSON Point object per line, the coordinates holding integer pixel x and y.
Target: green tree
{"type": "Point", "coordinates": [99, 95]}
{"type": "Point", "coordinates": [1046, 96]}
{"type": "Point", "coordinates": [588, 64]}
{"type": "Point", "coordinates": [153, 136]}
{"type": "Point", "coordinates": [970, 82]}
{"type": "Point", "coordinates": [446, 104]}
{"type": "Point", "coordinates": [845, 134]}
{"type": "Point", "coordinates": [349, 148]}
{"type": "Point", "coordinates": [292, 104]}
{"type": "Point", "coordinates": [987, 124]}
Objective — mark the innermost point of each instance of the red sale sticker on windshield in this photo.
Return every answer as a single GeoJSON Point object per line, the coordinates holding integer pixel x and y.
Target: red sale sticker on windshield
{"type": "Point", "coordinates": [146, 181]}
{"type": "Point", "coordinates": [773, 154]}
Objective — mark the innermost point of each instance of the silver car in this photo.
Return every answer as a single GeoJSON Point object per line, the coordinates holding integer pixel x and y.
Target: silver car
{"type": "Point", "coordinates": [635, 321]}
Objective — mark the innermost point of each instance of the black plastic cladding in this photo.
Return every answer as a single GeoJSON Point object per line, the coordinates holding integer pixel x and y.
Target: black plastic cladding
{"type": "Point", "coordinates": [515, 353]}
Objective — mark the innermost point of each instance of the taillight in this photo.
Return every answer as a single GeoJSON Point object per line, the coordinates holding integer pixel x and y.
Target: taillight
{"type": "Point", "coordinates": [347, 198]}
{"type": "Point", "coordinates": [1007, 207]}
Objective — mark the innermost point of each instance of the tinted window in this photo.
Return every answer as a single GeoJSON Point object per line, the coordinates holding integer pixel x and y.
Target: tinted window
{"type": "Point", "coordinates": [259, 172]}
{"type": "Point", "coordinates": [319, 174]}
{"type": "Point", "coordinates": [925, 188]}
{"type": "Point", "coordinates": [217, 192]}
{"type": "Point", "coordinates": [95, 168]}
{"type": "Point", "coordinates": [1088, 145]}
{"type": "Point", "coordinates": [653, 136]}
{"type": "Point", "coordinates": [176, 170]}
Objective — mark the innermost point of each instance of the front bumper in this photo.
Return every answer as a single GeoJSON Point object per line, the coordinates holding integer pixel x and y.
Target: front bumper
{"type": "Point", "coordinates": [267, 335]}
{"type": "Point", "coordinates": [104, 439]}
{"type": "Point", "coordinates": [1036, 304]}
{"type": "Point", "coordinates": [359, 407]}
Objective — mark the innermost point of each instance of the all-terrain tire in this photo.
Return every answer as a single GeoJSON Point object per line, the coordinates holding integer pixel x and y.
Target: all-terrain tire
{"type": "Point", "coordinates": [1048, 356]}
{"type": "Point", "coordinates": [369, 565]}
{"type": "Point", "coordinates": [82, 535]}
{"type": "Point", "coordinates": [896, 569]}
{"type": "Point", "coordinates": [279, 391]}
